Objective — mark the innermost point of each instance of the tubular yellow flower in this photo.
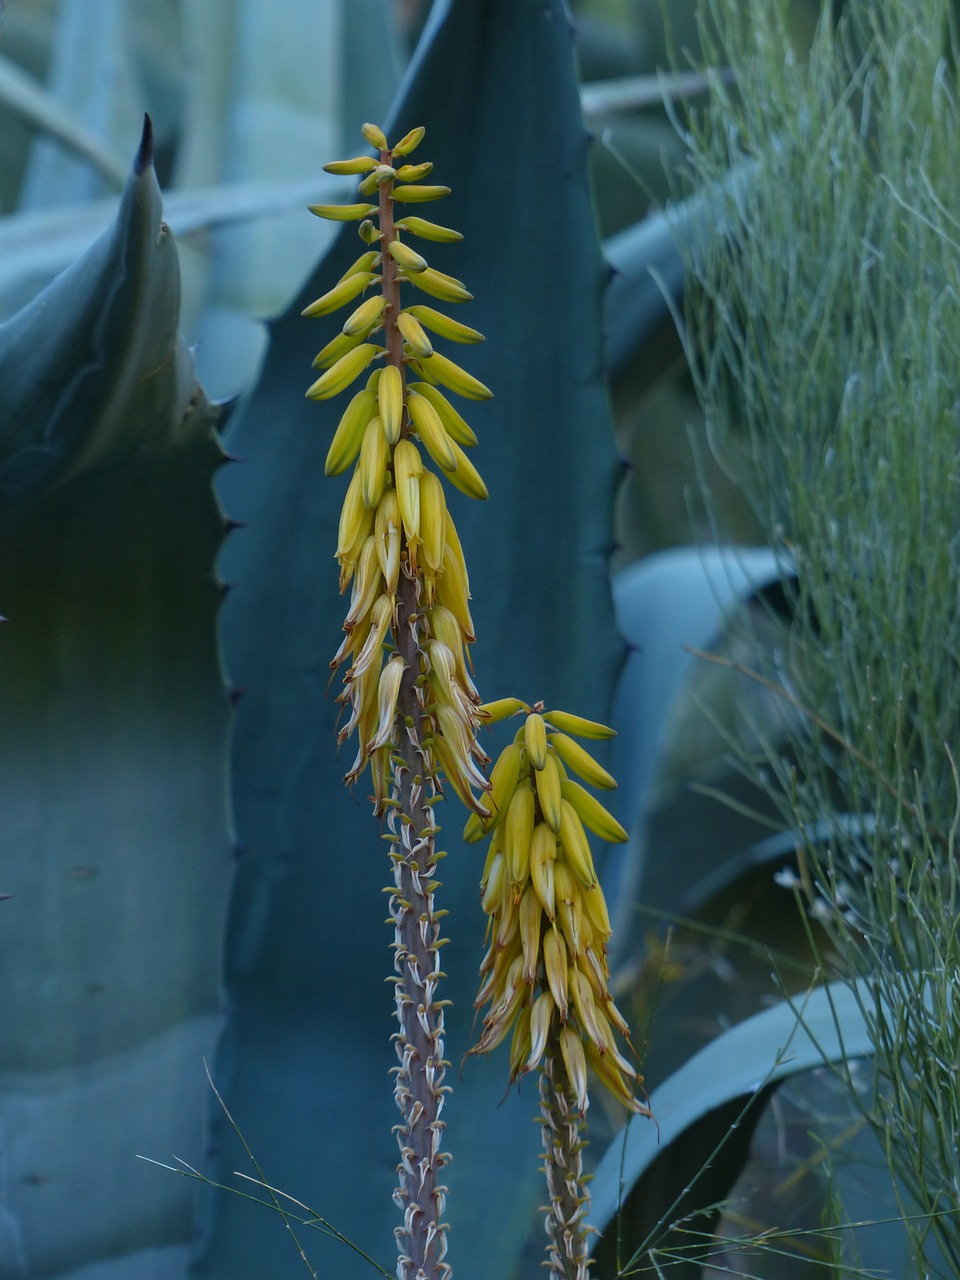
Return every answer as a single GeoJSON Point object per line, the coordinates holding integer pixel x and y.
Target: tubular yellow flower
{"type": "Point", "coordinates": [345, 445]}
{"type": "Point", "coordinates": [443, 326]}
{"type": "Point", "coordinates": [519, 822]}
{"type": "Point", "coordinates": [381, 616]}
{"type": "Point", "coordinates": [521, 1042]}
{"type": "Point", "coordinates": [442, 625]}
{"type": "Point", "coordinates": [569, 897]}
{"type": "Point", "coordinates": [453, 590]}
{"type": "Point", "coordinates": [414, 334]}
{"type": "Point", "coordinates": [339, 376]}
{"type": "Point", "coordinates": [375, 136]}
{"type": "Point", "coordinates": [504, 780]}
{"type": "Point", "coordinates": [428, 230]}
{"type": "Point", "coordinates": [367, 263]}
{"type": "Point", "coordinates": [465, 475]}
{"type": "Point", "coordinates": [426, 422]}
{"type": "Point", "coordinates": [407, 469]}
{"type": "Point", "coordinates": [419, 195]}
{"type": "Point", "coordinates": [343, 212]}
{"type": "Point", "coordinates": [374, 457]}
{"type": "Point", "coordinates": [438, 367]}
{"type": "Point", "coordinates": [351, 517]}
{"type": "Point", "coordinates": [433, 512]}
{"type": "Point", "coordinates": [457, 429]}
{"type": "Point", "coordinates": [541, 1019]}
{"type": "Point", "coordinates": [366, 317]}
{"type": "Point", "coordinates": [388, 691]}
{"type": "Point", "coordinates": [359, 164]}
{"type": "Point", "coordinates": [410, 141]}
{"type": "Point", "coordinates": [367, 584]}
{"type": "Point", "coordinates": [592, 813]}
{"type": "Point", "coordinates": [574, 1060]}
{"type": "Point", "coordinates": [390, 401]}
{"type": "Point", "coordinates": [341, 293]}
{"type": "Point", "coordinates": [535, 739]}
{"type": "Point", "coordinates": [335, 349]}
{"type": "Point", "coordinates": [548, 792]}
{"type": "Point", "coordinates": [530, 917]}
{"type": "Point", "coordinates": [387, 529]}
{"type": "Point", "coordinates": [576, 846]}
{"type": "Point", "coordinates": [549, 903]}
{"type": "Point", "coordinates": [543, 851]}
{"type": "Point", "coordinates": [414, 172]}
{"type": "Point", "coordinates": [441, 286]}
{"type": "Point", "coordinates": [577, 725]}
{"type": "Point", "coordinates": [556, 970]}
{"type": "Point", "coordinates": [406, 257]}
{"type": "Point", "coordinates": [501, 708]}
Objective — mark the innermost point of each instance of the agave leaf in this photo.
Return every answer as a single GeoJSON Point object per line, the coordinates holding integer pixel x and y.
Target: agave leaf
{"type": "Point", "coordinates": [94, 366]}
{"type": "Point", "coordinates": [35, 246]}
{"type": "Point", "coordinates": [93, 77]}
{"type": "Point", "coordinates": [649, 260]}
{"type": "Point", "coordinates": [268, 93]}
{"type": "Point", "coordinates": [668, 601]}
{"type": "Point", "coordinates": [22, 94]}
{"type": "Point", "coordinates": [650, 1180]}
{"type": "Point", "coordinates": [816, 1168]}
{"type": "Point", "coordinates": [631, 93]}
{"type": "Point", "coordinates": [648, 270]}
{"type": "Point", "coordinates": [308, 1053]}
{"type": "Point", "coordinates": [118, 846]}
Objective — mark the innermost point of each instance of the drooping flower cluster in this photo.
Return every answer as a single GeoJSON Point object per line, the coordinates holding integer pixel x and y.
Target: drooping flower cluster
{"type": "Point", "coordinates": [545, 971]}
{"type": "Point", "coordinates": [395, 532]}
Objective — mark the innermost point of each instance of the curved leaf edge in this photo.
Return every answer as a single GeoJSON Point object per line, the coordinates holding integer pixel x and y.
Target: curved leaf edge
{"type": "Point", "coordinates": [827, 1027]}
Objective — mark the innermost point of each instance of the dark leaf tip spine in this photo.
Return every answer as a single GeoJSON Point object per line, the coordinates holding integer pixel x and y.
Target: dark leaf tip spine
{"type": "Point", "coordinates": [144, 157]}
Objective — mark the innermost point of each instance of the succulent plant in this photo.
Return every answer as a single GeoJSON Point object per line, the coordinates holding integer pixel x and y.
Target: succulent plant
{"type": "Point", "coordinates": [185, 881]}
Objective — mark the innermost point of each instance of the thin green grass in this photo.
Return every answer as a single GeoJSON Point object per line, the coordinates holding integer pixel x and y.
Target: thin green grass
{"type": "Point", "coordinates": [823, 332]}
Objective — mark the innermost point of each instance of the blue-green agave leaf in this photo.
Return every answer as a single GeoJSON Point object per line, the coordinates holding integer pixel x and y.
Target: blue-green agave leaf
{"type": "Point", "coordinates": [275, 115]}
{"type": "Point", "coordinates": [666, 602]}
{"type": "Point", "coordinates": [648, 274]}
{"type": "Point", "coordinates": [118, 850]}
{"type": "Point", "coordinates": [92, 74]}
{"type": "Point", "coordinates": [94, 367]}
{"type": "Point", "coordinates": [36, 245]}
{"type": "Point", "coordinates": [690, 1159]}
{"type": "Point", "coordinates": [20, 93]}
{"type": "Point", "coordinates": [649, 263]}
{"type": "Point", "coordinates": [306, 1061]}
{"type": "Point", "coordinates": [817, 1164]}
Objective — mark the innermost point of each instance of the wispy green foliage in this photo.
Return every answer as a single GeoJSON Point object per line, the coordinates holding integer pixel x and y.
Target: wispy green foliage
{"type": "Point", "coordinates": [823, 337]}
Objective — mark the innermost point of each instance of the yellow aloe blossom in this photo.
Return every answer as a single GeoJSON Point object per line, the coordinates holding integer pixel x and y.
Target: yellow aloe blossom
{"type": "Point", "coordinates": [408, 698]}
{"type": "Point", "coordinates": [402, 436]}
{"type": "Point", "coordinates": [545, 972]}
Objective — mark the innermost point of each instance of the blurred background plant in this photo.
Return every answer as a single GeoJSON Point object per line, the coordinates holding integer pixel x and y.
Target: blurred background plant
{"type": "Point", "coordinates": [818, 490]}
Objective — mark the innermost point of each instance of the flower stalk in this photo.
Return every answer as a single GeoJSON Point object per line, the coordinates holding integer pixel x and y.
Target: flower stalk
{"type": "Point", "coordinates": [563, 1142]}
{"type": "Point", "coordinates": [544, 976]}
{"type": "Point", "coordinates": [412, 704]}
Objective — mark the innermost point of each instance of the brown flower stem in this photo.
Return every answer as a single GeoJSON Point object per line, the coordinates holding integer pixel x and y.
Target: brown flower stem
{"type": "Point", "coordinates": [419, 1087]}
{"type": "Point", "coordinates": [563, 1142]}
